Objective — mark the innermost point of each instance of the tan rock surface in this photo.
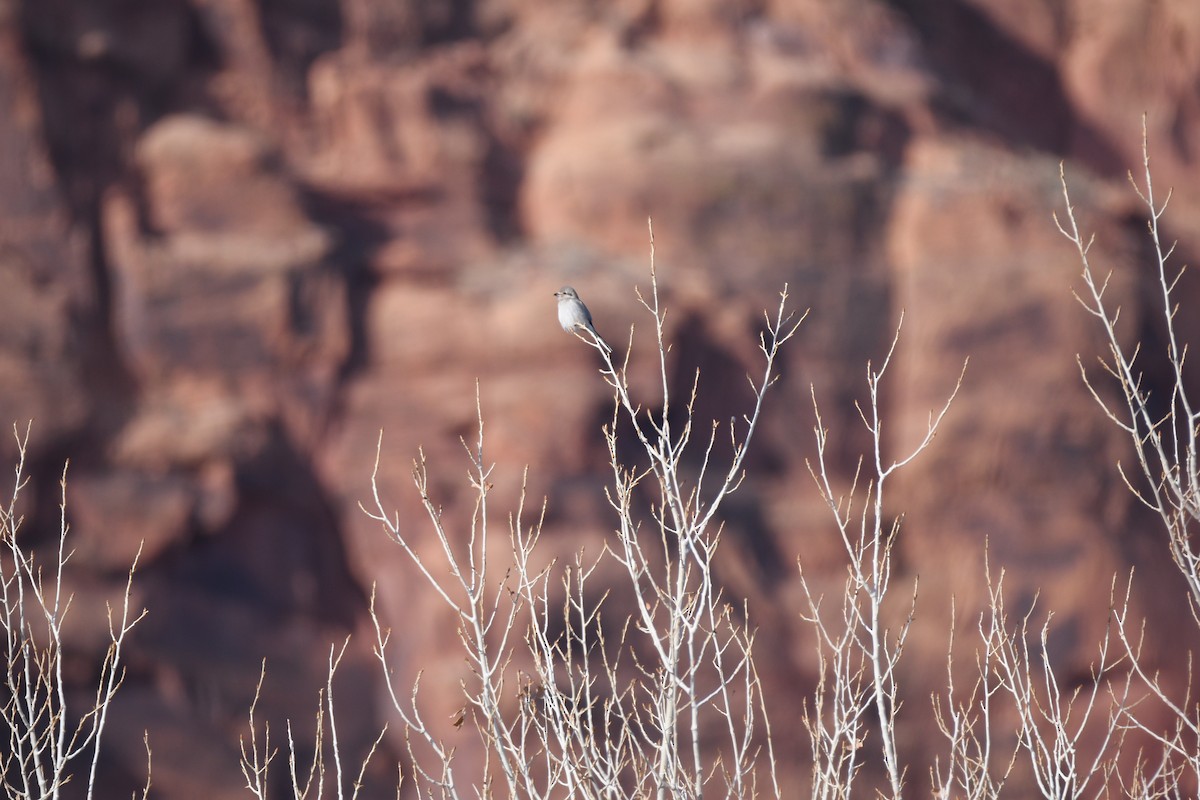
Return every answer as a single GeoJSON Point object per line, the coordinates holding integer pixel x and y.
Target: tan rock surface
{"type": "Point", "coordinates": [239, 239]}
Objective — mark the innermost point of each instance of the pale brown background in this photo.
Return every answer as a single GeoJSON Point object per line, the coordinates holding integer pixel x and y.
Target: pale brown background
{"type": "Point", "coordinates": [238, 237]}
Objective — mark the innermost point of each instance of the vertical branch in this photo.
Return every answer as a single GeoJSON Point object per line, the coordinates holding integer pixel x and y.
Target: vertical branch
{"type": "Point", "coordinates": [859, 655]}
{"type": "Point", "coordinates": [256, 757]}
{"type": "Point", "coordinates": [43, 744]}
{"type": "Point", "coordinates": [1165, 447]}
{"type": "Point", "coordinates": [583, 727]}
{"type": "Point", "coordinates": [1053, 727]}
{"type": "Point", "coordinates": [467, 592]}
{"type": "Point", "coordinates": [678, 606]}
{"type": "Point", "coordinates": [966, 723]}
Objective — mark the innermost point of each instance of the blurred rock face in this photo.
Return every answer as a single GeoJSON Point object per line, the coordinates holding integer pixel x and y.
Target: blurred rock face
{"type": "Point", "coordinates": [240, 238]}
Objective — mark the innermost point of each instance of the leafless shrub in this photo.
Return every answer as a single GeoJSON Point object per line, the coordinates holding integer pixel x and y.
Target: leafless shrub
{"type": "Point", "coordinates": [46, 742]}
{"type": "Point", "coordinates": [1164, 434]}
{"type": "Point", "coordinates": [857, 654]}
{"type": "Point", "coordinates": [599, 718]}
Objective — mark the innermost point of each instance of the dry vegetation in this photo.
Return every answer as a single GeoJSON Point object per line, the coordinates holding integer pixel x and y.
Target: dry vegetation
{"type": "Point", "coordinates": [672, 706]}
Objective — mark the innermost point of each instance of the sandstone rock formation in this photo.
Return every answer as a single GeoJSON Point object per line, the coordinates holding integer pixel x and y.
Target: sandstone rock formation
{"type": "Point", "coordinates": [239, 238]}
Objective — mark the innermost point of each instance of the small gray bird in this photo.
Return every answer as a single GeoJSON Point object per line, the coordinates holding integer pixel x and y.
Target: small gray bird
{"type": "Point", "coordinates": [572, 314]}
